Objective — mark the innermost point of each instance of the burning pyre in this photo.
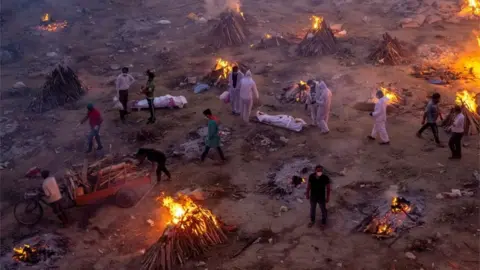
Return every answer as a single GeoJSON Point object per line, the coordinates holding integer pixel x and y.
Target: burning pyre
{"type": "Point", "coordinates": [220, 71]}
{"type": "Point", "coordinates": [296, 92]}
{"type": "Point", "coordinates": [389, 52]}
{"type": "Point", "coordinates": [393, 98]}
{"type": "Point", "coordinates": [191, 231]}
{"type": "Point", "coordinates": [385, 226]}
{"type": "Point", "coordinates": [47, 24]}
{"type": "Point", "coordinates": [319, 39]}
{"type": "Point", "coordinates": [231, 30]}
{"type": "Point", "coordinates": [470, 109]}
{"type": "Point", "coordinates": [269, 41]}
{"type": "Point", "coordinates": [470, 8]}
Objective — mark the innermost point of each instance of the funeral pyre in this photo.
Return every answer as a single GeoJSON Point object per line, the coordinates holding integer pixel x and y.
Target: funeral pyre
{"type": "Point", "coordinates": [470, 109]}
{"type": "Point", "coordinates": [270, 41]}
{"type": "Point", "coordinates": [61, 87]}
{"type": "Point", "coordinates": [295, 93]}
{"type": "Point", "coordinates": [388, 224]}
{"type": "Point", "coordinates": [389, 52]}
{"type": "Point", "coordinates": [47, 24]}
{"type": "Point", "coordinates": [395, 99]}
{"type": "Point", "coordinates": [231, 30]}
{"type": "Point", "coordinates": [191, 231]}
{"type": "Point", "coordinates": [219, 75]}
{"type": "Point", "coordinates": [319, 39]}
{"type": "Point", "coordinates": [470, 8]}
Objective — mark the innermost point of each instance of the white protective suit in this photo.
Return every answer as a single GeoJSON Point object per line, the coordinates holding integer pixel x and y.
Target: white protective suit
{"type": "Point", "coordinates": [234, 92]}
{"type": "Point", "coordinates": [248, 91]}
{"type": "Point", "coordinates": [323, 100]}
{"type": "Point", "coordinates": [380, 116]}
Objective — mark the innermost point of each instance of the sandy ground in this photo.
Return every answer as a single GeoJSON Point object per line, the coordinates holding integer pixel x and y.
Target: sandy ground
{"type": "Point", "coordinates": [119, 32]}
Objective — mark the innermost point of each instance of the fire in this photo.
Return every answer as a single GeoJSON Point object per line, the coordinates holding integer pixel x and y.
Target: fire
{"type": "Point", "coordinates": [400, 205]}
{"type": "Point", "coordinates": [471, 7]}
{"type": "Point", "coordinates": [392, 97]}
{"type": "Point", "coordinates": [225, 66]}
{"type": "Point", "coordinates": [467, 99]}
{"type": "Point", "coordinates": [45, 17]}
{"type": "Point", "coordinates": [23, 253]}
{"type": "Point", "coordinates": [184, 210]}
{"type": "Point", "coordinates": [268, 36]}
{"type": "Point", "coordinates": [238, 10]}
{"type": "Point", "coordinates": [302, 83]}
{"type": "Point", "coordinates": [316, 22]}
{"type": "Point", "coordinates": [469, 61]}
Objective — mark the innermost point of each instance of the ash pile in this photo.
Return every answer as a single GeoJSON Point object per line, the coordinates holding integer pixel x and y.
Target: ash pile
{"type": "Point", "coordinates": [194, 146]}
{"type": "Point", "coordinates": [288, 181]}
{"type": "Point", "coordinates": [40, 251]}
{"type": "Point", "coordinates": [62, 87]}
{"type": "Point", "coordinates": [269, 41]}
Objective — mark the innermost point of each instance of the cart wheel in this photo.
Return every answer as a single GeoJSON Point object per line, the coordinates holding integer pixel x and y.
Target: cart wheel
{"type": "Point", "coordinates": [125, 198]}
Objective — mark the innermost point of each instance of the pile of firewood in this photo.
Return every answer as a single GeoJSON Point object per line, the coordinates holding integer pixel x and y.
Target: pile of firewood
{"type": "Point", "coordinates": [62, 87]}
{"type": "Point", "coordinates": [445, 75]}
{"type": "Point", "coordinates": [271, 42]}
{"type": "Point", "coordinates": [319, 41]}
{"type": "Point", "coordinates": [192, 236]}
{"type": "Point", "coordinates": [294, 93]}
{"type": "Point", "coordinates": [231, 30]}
{"type": "Point", "coordinates": [472, 121]}
{"type": "Point", "coordinates": [389, 52]}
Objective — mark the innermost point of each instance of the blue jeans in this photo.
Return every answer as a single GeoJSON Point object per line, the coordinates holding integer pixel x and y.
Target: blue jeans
{"type": "Point", "coordinates": [94, 133]}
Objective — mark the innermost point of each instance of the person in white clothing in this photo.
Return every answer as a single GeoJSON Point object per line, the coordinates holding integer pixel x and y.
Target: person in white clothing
{"type": "Point", "coordinates": [234, 80]}
{"type": "Point", "coordinates": [310, 102]}
{"type": "Point", "coordinates": [53, 196]}
{"type": "Point", "coordinates": [323, 99]}
{"type": "Point", "coordinates": [457, 129]}
{"type": "Point", "coordinates": [122, 84]}
{"type": "Point", "coordinates": [380, 116]}
{"type": "Point", "coordinates": [248, 91]}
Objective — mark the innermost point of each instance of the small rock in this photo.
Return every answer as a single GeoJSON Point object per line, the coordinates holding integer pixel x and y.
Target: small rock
{"type": "Point", "coordinates": [343, 172]}
{"type": "Point", "coordinates": [19, 85]}
{"type": "Point", "coordinates": [270, 240]}
{"type": "Point", "coordinates": [340, 264]}
{"type": "Point", "coordinates": [283, 139]}
{"type": "Point", "coordinates": [283, 208]}
{"type": "Point", "coordinates": [114, 67]}
{"type": "Point", "coordinates": [202, 20]}
{"type": "Point", "coordinates": [456, 192]}
{"type": "Point", "coordinates": [440, 164]}
{"type": "Point", "coordinates": [163, 22]}
{"type": "Point", "coordinates": [439, 196]}
{"type": "Point", "coordinates": [200, 263]}
{"type": "Point", "coordinates": [438, 235]}
{"type": "Point", "coordinates": [269, 65]}
{"type": "Point", "coordinates": [52, 54]}
{"type": "Point", "coordinates": [259, 257]}
{"type": "Point", "coordinates": [132, 217]}
{"type": "Point", "coordinates": [465, 144]}
{"type": "Point", "coordinates": [365, 19]}
{"type": "Point", "coordinates": [410, 255]}
{"type": "Point", "coordinates": [150, 222]}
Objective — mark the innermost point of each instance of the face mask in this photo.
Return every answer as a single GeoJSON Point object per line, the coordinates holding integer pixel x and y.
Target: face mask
{"type": "Point", "coordinates": [319, 173]}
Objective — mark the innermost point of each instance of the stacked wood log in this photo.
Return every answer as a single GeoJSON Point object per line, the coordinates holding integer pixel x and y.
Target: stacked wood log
{"type": "Point", "coordinates": [319, 41]}
{"type": "Point", "coordinates": [196, 232]}
{"type": "Point", "coordinates": [62, 87]}
{"type": "Point", "coordinates": [472, 121]}
{"type": "Point", "coordinates": [271, 42]}
{"type": "Point", "coordinates": [444, 74]}
{"type": "Point", "coordinates": [231, 30]}
{"type": "Point", "coordinates": [389, 52]}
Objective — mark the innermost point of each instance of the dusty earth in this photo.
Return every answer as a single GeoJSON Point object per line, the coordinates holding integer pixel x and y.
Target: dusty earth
{"type": "Point", "coordinates": [102, 34]}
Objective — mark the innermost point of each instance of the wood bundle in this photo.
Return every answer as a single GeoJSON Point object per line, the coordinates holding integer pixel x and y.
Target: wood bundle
{"type": "Point", "coordinates": [295, 93]}
{"type": "Point", "coordinates": [192, 236]}
{"type": "Point", "coordinates": [445, 75]}
{"type": "Point", "coordinates": [271, 42]}
{"type": "Point", "coordinates": [318, 42]}
{"type": "Point", "coordinates": [472, 121]}
{"type": "Point", "coordinates": [231, 30]}
{"type": "Point", "coordinates": [389, 52]}
{"type": "Point", "coordinates": [62, 87]}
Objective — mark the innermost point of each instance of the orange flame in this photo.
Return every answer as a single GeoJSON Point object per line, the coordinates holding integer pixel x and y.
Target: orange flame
{"type": "Point", "coordinates": [225, 66]}
{"type": "Point", "coordinates": [45, 17]}
{"type": "Point", "coordinates": [392, 97]}
{"type": "Point", "coordinates": [267, 36]}
{"type": "Point", "coordinates": [470, 7]}
{"type": "Point", "coordinates": [22, 253]}
{"type": "Point", "coordinates": [238, 10]}
{"type": "Point", "coordinates": [316, 22]}
{"type": "Point", "coordinates": [397, 207]}
{"type": "Point", "coordinates": [467, 99]}
{"type": "Point", "coordinates": [469, 61]}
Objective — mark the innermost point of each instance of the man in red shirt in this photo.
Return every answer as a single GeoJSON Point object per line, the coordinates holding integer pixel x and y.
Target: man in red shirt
{"type": "Point", "coordinates": [95, 119]}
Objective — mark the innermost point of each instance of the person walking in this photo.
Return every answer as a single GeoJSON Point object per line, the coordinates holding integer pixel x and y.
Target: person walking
{"type": "Point", "coordinates": [123, 83]}
{"type": "Point", "coordinates": [457, 129]}
{"type": "Point", "coordinates": [95, 120]}
{"type": "Point", "coordinates": [318, 192]}
{"type": "Point", "coordinates": [213, 139]}
{"type": "Point", "coordinates": [323, 98]}
{"type": "Point", "coordinates": [432, 113]}
{"type": "Point", "coordinates": [155, 157]}
{"type": "Point", "coordinates": [248, 91]}
{"type": "Point", "coordinates": [149, 90]}
{"type": "Point", "coordinates": [380, 116]}
{"type": "Point", "coordinates": [234, 79]}
{"type": "Point", "coordinates": [53, 196]}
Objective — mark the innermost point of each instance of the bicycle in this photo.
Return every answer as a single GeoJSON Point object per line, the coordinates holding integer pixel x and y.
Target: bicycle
{"type": "Point", "coordinates": [29, 211]}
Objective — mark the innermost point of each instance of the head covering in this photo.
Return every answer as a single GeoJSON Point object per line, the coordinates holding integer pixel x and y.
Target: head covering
{"type": "Point", "coordinates": [248, 74]}
{"type": "Point", "coordinates": [310, 82]}
{"type": "Point", "coordinates": [89, 106]}
{"type": "Point", "coordinates": [322, 85]}
{"type": "Point", "coordinates": [207, 112]}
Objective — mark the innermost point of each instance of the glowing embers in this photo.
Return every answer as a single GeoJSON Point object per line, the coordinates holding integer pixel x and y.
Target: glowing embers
{"type": "Point", "coordinates": [47, 24]}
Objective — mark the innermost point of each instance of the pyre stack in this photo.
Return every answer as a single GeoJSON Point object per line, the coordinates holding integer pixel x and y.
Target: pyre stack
{"type": "Point", "coordinates": [231, 30]}
{"type": "Point", "coordinates": [389, 52]}
{"type": "Point", "coordinates": [318, 41]}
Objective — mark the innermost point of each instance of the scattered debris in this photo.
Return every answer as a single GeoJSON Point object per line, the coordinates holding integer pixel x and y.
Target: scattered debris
{"type": "Point", "coordinates": [269, 41]}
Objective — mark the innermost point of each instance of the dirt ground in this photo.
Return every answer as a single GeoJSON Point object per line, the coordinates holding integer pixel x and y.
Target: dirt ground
{"type": "Point", "coordinates": [115, 32]}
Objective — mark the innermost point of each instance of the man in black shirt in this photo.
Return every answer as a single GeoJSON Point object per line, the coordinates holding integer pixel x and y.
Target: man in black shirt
{"type": "Point", "coordinates": [154, 156]}
{"type": "Point", "coordinates": [318, 191]}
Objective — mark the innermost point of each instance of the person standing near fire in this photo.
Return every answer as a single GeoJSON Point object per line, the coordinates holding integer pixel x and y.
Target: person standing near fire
{"type": "Point", "coordinates": [432, 113]}
{"type": "Point", "coordinates": [248, 92]}
{"type": "Point", "coordinates": [234, 79]}
{"type": "Point", "coordinates": [155, 157]}
{"type": "Point", "coordinates": [53, 196]}
{"type": "Point", "coordinates": [457, 129]}
{"type": "Point", "coordinates": [213, 138]}
{"type": "Point", "coordinates": [123, 83]}
{"type": "Point", "coordinates": [320, 110]}
{"type": "Point", "coordinates": [380, 116]}
{"type": "Point", "coordinates": [95, 119]}
{"type": "Point", "coordinates": [149, 90]}
{"type": "Point", "coordinates": [318, 192]}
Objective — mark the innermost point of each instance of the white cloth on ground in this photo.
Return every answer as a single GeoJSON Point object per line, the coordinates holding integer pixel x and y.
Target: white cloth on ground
{"type": "Point", "coordinates": [323, 100]}
{"type": "Point", "coordinates": [248, 88]}
{"type": "Point", "coordinates": [284, 121]}
{"type": "Point", "coordinates": [235, 91]}
{"type": "Point", "coordinates": [166, 101]}
{"type": "Point", "coordinates": [51, 190]}
{"type": "Point", "coordinates": [458, 125]}
{"type": "Point", "coordinates": [245, 109]}
{"type": "Point", "coordinates": [124, 81]}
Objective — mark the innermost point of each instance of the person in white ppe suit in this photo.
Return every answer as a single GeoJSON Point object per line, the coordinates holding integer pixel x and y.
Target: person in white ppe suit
{"type": "Point", "coordinates": [248, 91]}
{"type": "Point", "coordinates": [380, 116]}
{"type": "Point", "coordinates": [320, 110]}
{"type": "Point", "coordinates": [234, 79]}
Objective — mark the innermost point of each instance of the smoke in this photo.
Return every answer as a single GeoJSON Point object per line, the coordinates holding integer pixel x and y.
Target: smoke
{"type": "Point", "coordinates": [391, 192]}
{"type": "Point", "coordinates": [213, 8]}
